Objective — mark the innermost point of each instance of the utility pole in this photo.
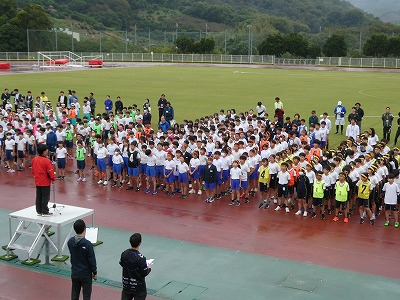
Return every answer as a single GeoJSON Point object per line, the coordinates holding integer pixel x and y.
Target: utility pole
{"type": "Point", "coordinates": [135, 36]}
{"type": "Point", "coordinates": [149, 40]}
{"type": "Point", "coordinates": [27, 39]}
{"type": "Point", "coordinates": [225, 45]}
{"type": "Point", "coordinates": [176, 33]}
{"type": "Point", "coordinates": [100, 41]}
{"type": "Point", "coordinates": [55, 30]}
{"type": "Point", "coordinates": [126, 41]}
{"type": "Point", "coordinates": [250, 42]}
{"type": "Point", "coordinates": [360, 43]}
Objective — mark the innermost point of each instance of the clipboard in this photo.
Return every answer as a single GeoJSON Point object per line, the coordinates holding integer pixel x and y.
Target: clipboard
{"type": "Point", "coordinates": [91, 234]}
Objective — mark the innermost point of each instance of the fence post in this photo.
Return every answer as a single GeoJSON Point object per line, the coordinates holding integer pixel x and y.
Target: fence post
{"type": "Point", "coordinates": [172, 57]}
{"type": "Point", "coordinates": [192, 57]}
{"type": "Point", "coordinates": [350, 62]}
{"type": "Point", "coordinates": [372, 62]}
{"type": "Point", "coordinates": [162, 57]}
{"type": "Point", "coordinates": [142, 56]}
{"type": "Point", "coordinates": [384, 63]}
{"type": "Point", "coordinates": [396, 62]}
{"type": "Point", "coordinates": [361, 62]}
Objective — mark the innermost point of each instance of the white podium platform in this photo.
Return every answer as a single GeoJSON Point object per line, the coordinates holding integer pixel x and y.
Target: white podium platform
{"type": "Point", "coordinates": [28, 220]}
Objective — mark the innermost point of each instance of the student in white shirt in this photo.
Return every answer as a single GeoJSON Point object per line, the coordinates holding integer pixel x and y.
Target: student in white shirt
{"type": "Point", "coordinates": [235, 174]}
{"type": "Point", "coordinates": [61, 153]}
{"type": "Point", "coordinates": [391, 190]}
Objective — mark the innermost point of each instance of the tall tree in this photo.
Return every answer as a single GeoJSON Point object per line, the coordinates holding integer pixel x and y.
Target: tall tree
{"type": "Point", "coordinates": [335, 46]}
{"type": "Point", "coordinates": [377, 45]}
{"type": "Point", "coordinates": [272, 45]}
{"type": "Point", "coordinates": [394, 46]}
{"type": "Point", "coordinates": [296, 45]}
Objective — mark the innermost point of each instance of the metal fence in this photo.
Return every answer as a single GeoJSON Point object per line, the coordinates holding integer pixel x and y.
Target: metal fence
{"type": "Point", "coordinates": [388, 63]}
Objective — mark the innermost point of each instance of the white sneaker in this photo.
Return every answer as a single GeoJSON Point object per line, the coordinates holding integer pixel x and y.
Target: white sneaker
{"type": "Point", "coordinates": [105, 182]}
{"type": "Point", "coordinates": [9, 170]}
{"type": "Point", "coordinates": [364, 215]}
{"type": "Point", "coordinates": [79, 179]}
{"type": "Point", "coordinates": [192, 191]}
{"type": "Point", "coordinates": [287, 209]}
{"type": "Point", "coordinates": [84, 179]}
{"type": "Point", "coordinates": [199, 192]}
{"type": "Point", "coordinates": [373, 217]}
{"type": "Point", "coordinates": [123, 181]}
{"type": "Point", "coordinates": [305, 214]}
{"type": "Point", "coordinates": [275, 201]}
{"type": "Point", "coordinates": [278, 208]}
{"type": "Point", "coordinates": [100, 181]}
{"type": "Point", "coordinates": [298, 213]}
{"type": "Point", "coordinates": [12, 171]}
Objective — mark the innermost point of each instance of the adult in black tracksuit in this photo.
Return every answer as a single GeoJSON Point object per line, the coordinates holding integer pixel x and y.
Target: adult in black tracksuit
{"type": "Point", "coordinates": [134, 270]}
{"type": "Point", "coordinates": [83, 262]}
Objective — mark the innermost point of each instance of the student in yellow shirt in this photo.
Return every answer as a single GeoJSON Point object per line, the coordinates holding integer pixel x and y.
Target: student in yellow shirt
{"type": "Point", "coordinates": [263, 182]}
{"type": "Point", "coordinates": [364, 190]}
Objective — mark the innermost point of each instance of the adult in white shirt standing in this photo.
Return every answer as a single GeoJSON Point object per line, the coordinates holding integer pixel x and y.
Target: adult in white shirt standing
{"type": "Point", "coordinates": [352, 130]}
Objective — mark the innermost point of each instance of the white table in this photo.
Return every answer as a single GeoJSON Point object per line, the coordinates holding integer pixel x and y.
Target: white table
{"type": "Point", "coordinates": [28, 218]}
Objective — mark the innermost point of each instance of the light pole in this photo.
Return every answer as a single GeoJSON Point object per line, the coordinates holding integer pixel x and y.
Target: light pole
{"type": "Point", "coordinates": [250, 42]}
{"type": "Point", "coordinates": [126, 41]}
{"type": "Point", "coordinates": [176, 30]}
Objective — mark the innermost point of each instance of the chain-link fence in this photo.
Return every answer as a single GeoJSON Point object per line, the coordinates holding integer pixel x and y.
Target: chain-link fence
{"type": "Point", "coordinates": [25, 59]}
{"type": "Point", "coordinates": [240, 42]}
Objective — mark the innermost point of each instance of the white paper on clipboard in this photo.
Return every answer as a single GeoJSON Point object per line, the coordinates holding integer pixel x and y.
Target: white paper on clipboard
{"type": "Point", "coordinates": [91, 234]}
{"type": "Point", "coordinates": [149, 262]}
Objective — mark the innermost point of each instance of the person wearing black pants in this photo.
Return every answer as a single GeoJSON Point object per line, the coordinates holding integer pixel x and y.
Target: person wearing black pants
{"type": "Point", "coordinates": [398, 131]}
{"type": "Point", "coordinates": [162, 102]}
{"type": "Point", "coordinates": [43, 173]}
{"type": "Point", "coordinates": [387, 119]}
{"type": "Point", "coordinates": [134, 270]}
{"type": "Point", "coordinates": [83, 262]}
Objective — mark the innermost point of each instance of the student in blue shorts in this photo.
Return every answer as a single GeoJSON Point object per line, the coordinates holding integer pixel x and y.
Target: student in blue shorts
{"type": "Point", "coordinates": [133, 166]}
{"type": "Point", "coordinates": [169, 168]}
{"type": "Point", "coordinates": [235, 173]}
{"type": "Point", "coordinates": [61, 154]}
{"type": "Point", "coordinates": [210, 180]}
{"type": "Point", "coordinates": [118, 162]}
{"type": "Point", "coordinates": [183, 177]}
{"type": "Point", "coordinates": [102, 163]}
{"type": "Point", "coordinates": [150, 172]}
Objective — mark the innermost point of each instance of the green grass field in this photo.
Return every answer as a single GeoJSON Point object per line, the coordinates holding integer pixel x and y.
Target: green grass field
{"type": "Point", "coordinates": [199, 91]}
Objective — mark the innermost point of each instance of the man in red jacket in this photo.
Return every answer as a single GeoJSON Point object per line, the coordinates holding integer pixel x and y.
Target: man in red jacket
{"type": "Point", "coordinates": [43, 173]}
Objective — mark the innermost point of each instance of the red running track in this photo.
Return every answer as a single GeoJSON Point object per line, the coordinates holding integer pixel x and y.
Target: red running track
{"type": "Point", "coordinates": [361, 248]}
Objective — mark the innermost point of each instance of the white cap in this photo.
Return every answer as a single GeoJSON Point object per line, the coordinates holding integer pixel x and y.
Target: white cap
{"type": "Point", "coordinates": [339, 103]}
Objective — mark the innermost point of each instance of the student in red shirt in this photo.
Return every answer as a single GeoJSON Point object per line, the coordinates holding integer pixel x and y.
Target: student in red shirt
{"type": "Point", "coordinates": [43, 173]}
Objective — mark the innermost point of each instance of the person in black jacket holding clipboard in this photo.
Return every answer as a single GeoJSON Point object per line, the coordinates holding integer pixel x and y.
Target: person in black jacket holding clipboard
{"type": "Point", "coordinates": [83, 262]}
{"type": "Point", "coordinates": [134, 270]}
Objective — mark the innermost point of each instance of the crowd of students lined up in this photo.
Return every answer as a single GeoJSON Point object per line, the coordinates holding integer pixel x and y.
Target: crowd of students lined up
{"type": "Point", "coordinates": [283, 162]}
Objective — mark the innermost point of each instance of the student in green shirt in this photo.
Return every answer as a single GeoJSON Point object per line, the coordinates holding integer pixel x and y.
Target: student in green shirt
{"type": "Point", "coordinates": [318, 196]}
{"type": "Point", "coordinates": [341, 195]}
{"type": "Point", "coordinates": [80, 161]}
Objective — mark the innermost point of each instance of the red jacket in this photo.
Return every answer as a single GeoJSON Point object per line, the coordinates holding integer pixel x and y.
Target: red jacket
{"type": "Point", "coordinates": [43, 171]}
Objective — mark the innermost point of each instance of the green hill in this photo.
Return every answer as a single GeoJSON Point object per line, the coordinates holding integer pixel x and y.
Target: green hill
{"type": "Point", "coordinates": [386, 10]}
{"type": "Point", "coordinates": [280, 15]}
